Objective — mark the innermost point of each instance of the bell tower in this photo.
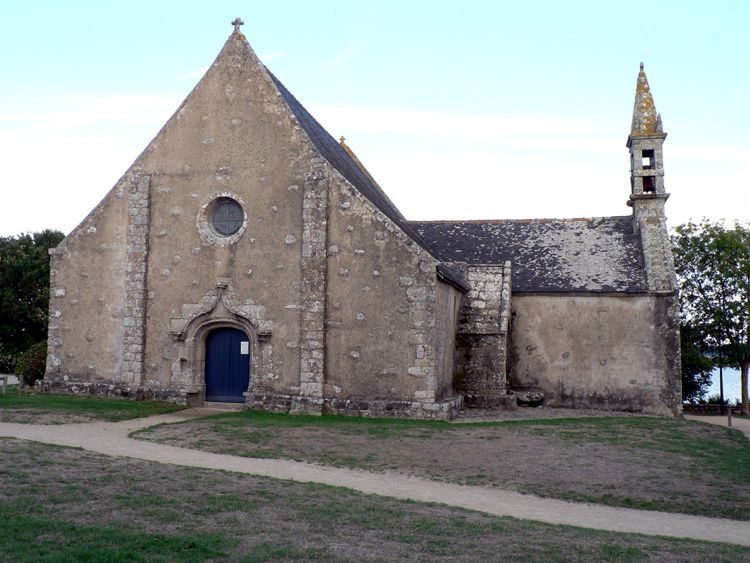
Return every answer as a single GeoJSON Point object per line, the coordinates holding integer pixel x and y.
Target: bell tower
{"type": "Point", "coordinates": [647, 193]}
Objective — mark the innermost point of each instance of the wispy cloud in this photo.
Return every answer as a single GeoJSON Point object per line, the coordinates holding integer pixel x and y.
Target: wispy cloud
{"type": "Point", "coordinates": [114, 109]}
{"type": "Point", "coordinates": [272, 56]}
{"type": "Point", "coordinates": [463, 126]}
{"type": "Point", "coordinates": [532, 131]}
{"type": "Point", "coordinates": [504, 165]}
{"type": "Point", "coordinates": [193, 74]}
{"type": "Point", "coordinates": [340, 58]}
{"type": "Point", "coordinates": [713, 153]}
{"type": "Point", "coordinates": [69, 152]}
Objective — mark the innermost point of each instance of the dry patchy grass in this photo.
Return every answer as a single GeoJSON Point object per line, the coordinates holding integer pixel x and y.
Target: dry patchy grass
{"type": "Point", "coordinates": [63, 504]}
{"type": "Point", "coordinates": [639, 462]}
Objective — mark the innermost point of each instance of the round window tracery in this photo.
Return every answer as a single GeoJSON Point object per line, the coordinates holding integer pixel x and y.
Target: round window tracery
{"type": "Point", "coordinates": [227, 217]}
{"type": "Point", "coordinates": [222, 219]}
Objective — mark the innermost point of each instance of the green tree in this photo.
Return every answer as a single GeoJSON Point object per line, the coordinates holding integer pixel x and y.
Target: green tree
{"type": "Point", "coordinates": [713, 269]}
{"type": "Point", "coordinates": [696, 365]}
{"type": "Point", "coordinates": [24, 292]}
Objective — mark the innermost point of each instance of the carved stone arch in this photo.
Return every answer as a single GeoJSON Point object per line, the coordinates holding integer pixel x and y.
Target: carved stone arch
{"type": "Point", "coordinates": [217, 309]}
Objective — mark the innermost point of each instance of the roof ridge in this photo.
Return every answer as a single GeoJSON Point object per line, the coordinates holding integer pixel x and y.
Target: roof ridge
{"type": "Point", "coordinates": [366, 172]}
{"type": "Point", "coordinates": [531, 220]}
{"type": "Point", "coordinates": [343, 162]}
{"type": "Point", "coordinates": [346, 166]}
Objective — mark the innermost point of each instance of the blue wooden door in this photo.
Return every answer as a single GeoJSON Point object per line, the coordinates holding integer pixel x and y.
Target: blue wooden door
{"type": "Point", "coordinates": [227, 365]}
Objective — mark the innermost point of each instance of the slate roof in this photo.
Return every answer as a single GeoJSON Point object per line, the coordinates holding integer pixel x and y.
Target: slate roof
{"type": "Point", "coordinates": [548, 255]}
{"type": "Point", "coordinates": [600, 254]}
{"type": "Point", "coordinates": [340, 159]}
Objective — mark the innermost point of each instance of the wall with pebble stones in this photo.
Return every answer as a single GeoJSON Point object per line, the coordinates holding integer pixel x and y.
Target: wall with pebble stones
{"type": "Point", "coordinates": [341, 308]}
{"type": "Point", "coordinates": [389, 318]}
{"type": "Point", "coordinates": [88, 292]}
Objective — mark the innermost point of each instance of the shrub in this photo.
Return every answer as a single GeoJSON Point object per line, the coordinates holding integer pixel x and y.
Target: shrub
{"type": "Point", "coordinates": [7, 360]}
{"type": "Point", "coordinates": [32, 363]}
{"type": "Point", "coordinates": [716, 400]}
{"type": "Point", "coordinates": [24, 290]}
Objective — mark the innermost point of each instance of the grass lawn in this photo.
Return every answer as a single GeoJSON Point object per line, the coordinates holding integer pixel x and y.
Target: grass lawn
{"type": "Point", "coordinates": [64, 504]}
{"type": "Point", "coordinates": [47, 408]}
{"type": "Point", "coordinates": [637, 462]}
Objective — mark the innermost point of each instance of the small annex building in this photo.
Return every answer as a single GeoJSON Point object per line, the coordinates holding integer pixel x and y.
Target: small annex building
{"type": "Point", "coordinates": [246, 256]}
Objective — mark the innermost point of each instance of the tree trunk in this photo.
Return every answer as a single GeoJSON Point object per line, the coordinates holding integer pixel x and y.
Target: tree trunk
{"type": "Point", "coordinates": [743, 387]}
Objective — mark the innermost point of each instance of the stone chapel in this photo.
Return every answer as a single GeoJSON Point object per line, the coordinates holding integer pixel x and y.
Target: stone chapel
{"type": "Point", "coordinates": [248, 257]}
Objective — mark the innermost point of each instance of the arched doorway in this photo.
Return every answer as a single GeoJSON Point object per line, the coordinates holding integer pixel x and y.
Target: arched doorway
{"type": "Point", "coordinates": [227, 365]}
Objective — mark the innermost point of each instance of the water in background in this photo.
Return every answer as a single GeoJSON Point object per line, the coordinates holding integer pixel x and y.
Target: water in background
{"type": "Point", "coordinates": [731, 384]}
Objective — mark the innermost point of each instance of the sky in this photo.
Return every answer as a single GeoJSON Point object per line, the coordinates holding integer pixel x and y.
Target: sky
{"type": "Point", "coordinates": [460, 110]}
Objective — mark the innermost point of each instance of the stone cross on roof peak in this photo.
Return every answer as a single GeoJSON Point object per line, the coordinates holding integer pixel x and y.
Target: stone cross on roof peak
{"type": "Point", "coordinates": [237, 23]}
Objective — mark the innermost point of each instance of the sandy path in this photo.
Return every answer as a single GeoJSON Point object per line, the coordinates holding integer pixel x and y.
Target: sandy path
{"type": "Point", "coordinates": [741, 424]}
{"type": "Point", "coordinates": [111, 438]}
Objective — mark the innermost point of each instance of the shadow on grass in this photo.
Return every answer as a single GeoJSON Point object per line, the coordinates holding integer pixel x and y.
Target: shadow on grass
{"type": "Point", "coordinates": [33, 538]}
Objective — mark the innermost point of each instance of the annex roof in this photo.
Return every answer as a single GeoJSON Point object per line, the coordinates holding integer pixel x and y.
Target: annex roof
{"type": "Point", "coordinates": [600, 254]}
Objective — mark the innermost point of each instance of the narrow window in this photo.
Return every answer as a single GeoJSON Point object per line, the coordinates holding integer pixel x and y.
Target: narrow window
{"type": "Point", "coordinates": [647, 159]}
{"type": "Point", "coordinates": [649, 185]}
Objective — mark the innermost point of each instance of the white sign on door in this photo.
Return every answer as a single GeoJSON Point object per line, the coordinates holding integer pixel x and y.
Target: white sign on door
{"type": "Point", "coordinates": [244, 348]}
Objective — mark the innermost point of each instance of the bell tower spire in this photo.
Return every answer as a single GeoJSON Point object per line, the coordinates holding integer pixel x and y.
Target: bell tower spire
{"type": "Point", "coordinates": [645, 143]}
{"type": "Point", "coordinates": [647, 193]}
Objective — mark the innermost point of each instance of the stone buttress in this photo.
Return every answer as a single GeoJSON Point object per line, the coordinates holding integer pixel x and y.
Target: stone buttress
{"type": "Point", "coordinates": [482, 339]}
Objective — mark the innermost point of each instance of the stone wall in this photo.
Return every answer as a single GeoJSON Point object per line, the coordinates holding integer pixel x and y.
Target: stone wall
{"type": "Point", "coordinates": [233, 138]}
{"type": "Point", "coordinates": [146, 260]}
{"type": "Point", "coordinates": [114, 390]}
{"type": "Point", "coordinates": [296, 404]}
{"type": "Point", "coordinates": [384, 324]}
{"type": "Point", "coordinates": [449, 304]}
{"type": "Point", "coordinates": [615, 352]}
{"type": "Point", "coordinates": [88, 293]}
{"type": "Point", "coordinates": [481, 342]}
{"type": "Point", "coordinates": [711, 409]}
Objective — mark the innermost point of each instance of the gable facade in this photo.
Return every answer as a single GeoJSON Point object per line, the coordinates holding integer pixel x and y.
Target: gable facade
{"type": "Point", "coordinates": [345, 305]}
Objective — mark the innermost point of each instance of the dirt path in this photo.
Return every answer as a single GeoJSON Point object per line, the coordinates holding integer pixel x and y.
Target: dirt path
{"type": "Point", "coordinates": [111, 438]}
{"type": "Point", "coordinates": [741, 424]}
